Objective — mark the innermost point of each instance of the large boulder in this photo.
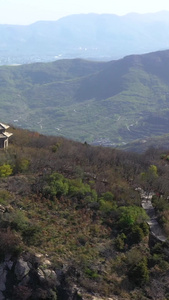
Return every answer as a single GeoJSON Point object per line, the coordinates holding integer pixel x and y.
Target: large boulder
{"type": "Point", "coordinates": [21, 269]}
{"type": "Point", "coordinates": [3, 274]}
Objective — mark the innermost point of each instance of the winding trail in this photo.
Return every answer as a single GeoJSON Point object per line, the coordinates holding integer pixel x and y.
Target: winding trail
{"type": "Point", "coordinates": [155, 228]}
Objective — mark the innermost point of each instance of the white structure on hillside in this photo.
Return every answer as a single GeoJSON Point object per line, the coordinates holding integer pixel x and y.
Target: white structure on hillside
{"type": "Point", "coordinates": [4, 135]}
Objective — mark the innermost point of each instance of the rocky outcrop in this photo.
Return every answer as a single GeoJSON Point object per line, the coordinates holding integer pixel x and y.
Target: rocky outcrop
{"type": "Point", "coordinates": [5, 267]}
{"type": "Point", "coordinates": [27, 276]}
{"type": "Point", "coordinates": [21, 269]}
{"type": "Point", "coordinates": [32, 277]}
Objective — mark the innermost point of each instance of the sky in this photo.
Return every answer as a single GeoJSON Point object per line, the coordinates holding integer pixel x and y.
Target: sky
{"type": "Point", "coordinates": [24, 12]}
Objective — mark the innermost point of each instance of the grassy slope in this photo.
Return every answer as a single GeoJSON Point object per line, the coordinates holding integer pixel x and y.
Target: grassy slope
{"type": "Point", "coordinates": [78, 232]}
{"type": "Point", "coordinates": [68, 230]}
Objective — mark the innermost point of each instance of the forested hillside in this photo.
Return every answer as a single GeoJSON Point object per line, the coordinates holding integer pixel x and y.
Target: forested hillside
{"type": "Point", "coordinates": [109, 103]}
{"type": "Point", "coordinates": [79, 208]}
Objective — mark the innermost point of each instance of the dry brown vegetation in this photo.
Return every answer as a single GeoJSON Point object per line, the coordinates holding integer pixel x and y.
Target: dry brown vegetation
{"type": "Point", "coordinates": [78, 204]}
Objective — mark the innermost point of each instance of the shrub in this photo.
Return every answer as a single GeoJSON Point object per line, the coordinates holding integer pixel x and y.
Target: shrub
{"type": "Point", "coordinates": [18, 220]}
{"type": "Point", "coordinates": [139, 273]}
{"type": "Point", "coordinates": [134, 256]}
{"type": "Point", "coordinates": [145, 228]}
{"type": "Point", "coordinates": [9, 243]}
{"type": "Point", "coordinates": [131, 215]}
{"type": "Point", "coordinates": [57, 185]}
{"type": "Point", "coordinates": [162, 156]}
{"type": "Point", "coordinates": [106, 202]}
{"type": "Point", "coordinates": [120, 241]}
{"type": "Point", "coordinates": [150, 176]}
{"type": "Point", "coordinates": [30, 232]}
{"type": "Point", "coordinates": [155, 259]}
{"type": "Point", "coordinates": [108, 196]}
{"type": "Point", "coordinates": [5, 170]}
{"type": "Point", "coordinates": [137, 234]}
{"type": "Point", "coordinates": [91, 273]}
{"type": "Point", "coordinates": [78, 189]}
{"type": "Point", "coordinates": [4, 196]}
{"type": "Point", "coordinates": [24, 165]}
{"type": "Point", "coordinates": [81, 190]}
{"type": "Point", "coordinates": [106, 206]}
{"type": "Point", "coordinates": [92, 196]}
{"type": "Point", "coordinates": [55, 147]}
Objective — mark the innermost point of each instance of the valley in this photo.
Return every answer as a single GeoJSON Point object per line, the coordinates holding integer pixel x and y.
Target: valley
{"type": "Point", "coordinates": [108, 103]}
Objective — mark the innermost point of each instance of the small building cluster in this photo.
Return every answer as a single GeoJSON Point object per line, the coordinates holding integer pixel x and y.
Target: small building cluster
{"type": "Point", "coordinates": [4, 136]}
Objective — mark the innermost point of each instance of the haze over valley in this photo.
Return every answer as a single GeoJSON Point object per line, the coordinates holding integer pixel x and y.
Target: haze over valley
{"type": "Point", "coordinates": [92, 36]}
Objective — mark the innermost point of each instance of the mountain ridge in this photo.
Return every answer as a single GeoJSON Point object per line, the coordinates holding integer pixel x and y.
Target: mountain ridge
{"type": "Point", "coordinates": [101, 37]}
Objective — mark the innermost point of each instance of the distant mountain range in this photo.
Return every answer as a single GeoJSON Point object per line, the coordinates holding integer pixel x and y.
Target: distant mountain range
{"type": "Point", "coordinates": [101, 37]}
{"type": "Point", "coordinates": [108, 103]}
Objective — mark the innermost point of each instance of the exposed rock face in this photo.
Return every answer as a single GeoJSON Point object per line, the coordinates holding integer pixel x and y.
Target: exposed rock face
{"type": "Point", "coordinates": [32, 277]}
{"type": "Point", "coordinates": [21, 269]}
{"type": "Point", "coordinates": [27, 276]}
{"type": "Point", "coordinates": [3, 273]}
{"type": "Point", "coordinates": [5, 267]}
{"type": "Point", "coordinates": [2, 296]}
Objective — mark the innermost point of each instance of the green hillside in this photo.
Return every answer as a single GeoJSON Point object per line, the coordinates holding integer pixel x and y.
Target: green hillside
{"type": "Point", "coordinates": [114, 102]}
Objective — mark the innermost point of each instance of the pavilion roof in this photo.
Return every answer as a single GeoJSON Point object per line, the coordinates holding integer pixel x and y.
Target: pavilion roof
{"type": "Point", "coordinates": [5, 135]}
{"type": "Point", "coordinates": [3, 126]}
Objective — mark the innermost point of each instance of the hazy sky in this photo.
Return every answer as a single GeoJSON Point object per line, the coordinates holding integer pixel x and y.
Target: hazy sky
{"type": "Point", "coordinates": [30, 11]}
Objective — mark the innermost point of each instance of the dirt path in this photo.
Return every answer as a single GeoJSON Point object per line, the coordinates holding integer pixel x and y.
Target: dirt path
{"type": "Point", "coordinates": [155, 228]}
